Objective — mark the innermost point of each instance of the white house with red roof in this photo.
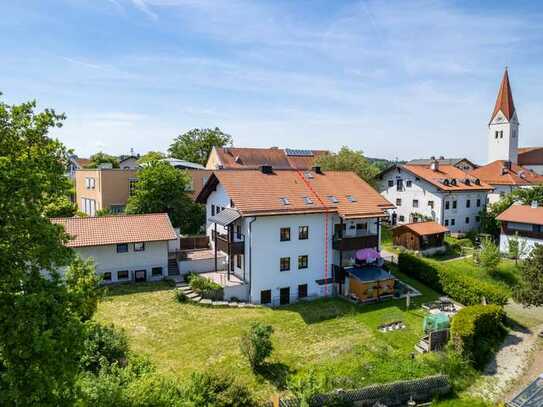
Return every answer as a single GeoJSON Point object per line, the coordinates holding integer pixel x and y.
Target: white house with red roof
{"type": "Point", "coordinates": [289, 234]}
{"type": "Point", "coordinates": [522, 224]}
{"type": "Point", "coordinates": [124, 247]}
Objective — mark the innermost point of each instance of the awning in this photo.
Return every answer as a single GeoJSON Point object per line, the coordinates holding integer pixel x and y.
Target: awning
{"type": "Point", "coordinates": [226, 216]}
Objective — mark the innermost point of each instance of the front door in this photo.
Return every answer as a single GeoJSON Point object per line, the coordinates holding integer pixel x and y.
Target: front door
{"type": "Point", "coordinates": [284, 296]}
{"type": "Point", "coordinates": [140, 275]}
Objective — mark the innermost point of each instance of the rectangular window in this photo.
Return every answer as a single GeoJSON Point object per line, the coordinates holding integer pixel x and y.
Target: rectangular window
{"type": "Point", "coordinates": [351, 198]}
{"type": "Point", "coordinates": [117, 208]}
{"type": "Point", "coordinates": [303, 262]}
{"type": "Point", "coordinates": [453, 221]}
{"type": "Point", "coordinates": [122, 275]}
{"type": "Point", "coordinates": [454, 204]}
{"type": "Point", "coordinates": [285, 234]}
{"type": "Point", "coordinates": [468, 203]}
{"type": "Point", "coordinates": [390, 183]}
{"type": "Point", "coordinates": [132, 183]}
{"type": "Point", "coordinates": [285, 201]}
{"type": "Point", "coordinates": [447, 205]}
{"type": "Point", "coordinates": [446, 222]}
{"type": "Point", "coordinates": [106, 276]}
{"type": "Point", "coordinates": [333, 199]}
{"type": "Point", "coordinates": [467, 219]}
{"type": "Point", "coordinates": [399, 185]}
{"type": "Point", "coordinates": [238, 232]}
{"type": "Point", "coordinates": [302, 291]}
{"type": "Point", "coordinates": [431, 204]}
{"type": "Point", "coordinates": [139, 247]}
{"type": "Point", "coordinates": [408, 183]}
{"type": "Point", "coordinates": [398, 202]}
{"type": "Point", "coordinates": [122, 248]}
{"type": "Point", "coordinates": [238, 261]}
{"type": "Point", "coordinates": [361, 228]}
{"type": "Point", "coordinates": [284, 264]}
{"type": "Point", "coordinates": [303, 233]}
{"type": "Point", "coordinates": [156, 271]}
{"type": "Point", "coordinates": [478, 203]}
{"type": "Point", "coordinates": [402, 218]}
{"type": "Point", "coordinates": [212, 210]}
{"type": "Point", "coordinates": [265, 297]}
{"type": "Point", "coordinates": [415, 203]}
{"type": "Point", "coordinates": [308, 200]}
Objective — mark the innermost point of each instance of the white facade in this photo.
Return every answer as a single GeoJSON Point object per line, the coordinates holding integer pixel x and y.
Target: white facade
{"type": "Point", "coordinates": [503, 138]}
{"type": "Point", "coordinates": [108, 260]}
{"type": "Point", "coordinates": [414, 197]}
{"type": "Point", "coordinates": [526, 243]}
{"type": "Point", "coordinates": [264, 251]}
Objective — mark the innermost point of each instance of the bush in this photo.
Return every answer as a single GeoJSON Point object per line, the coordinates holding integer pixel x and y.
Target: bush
{"type": "Point", "coordinates": [205, 389]}
{"type": "Point", "coordinates": [205, 287]}
{"type": "Point", "coordinates": [256, 344]}
{"type": "Point", "coordinates": [180, 296]}
{"type": "Point", "coordinates": [476, 331]}
{"type": "Point", "coordinates": [104, 345]}
{"type": "Point", "coordinates": [459, 285]}
{"type": "Point", "coordinates": [489, 256]}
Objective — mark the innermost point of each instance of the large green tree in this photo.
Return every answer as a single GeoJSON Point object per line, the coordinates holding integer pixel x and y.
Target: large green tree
{"type": "Point", "coordinates": [196, 144]}
{"type": "Point", "coordinates": [40, 324]}
{"type": "Point", "coordinates": [529, 291]}
{"type": "Point", "coordinates": [349, 160]}
{"type": "Point", "coordinates": [151, 156]}
{"type": "Point", "coordinates": [162, 188]}
{"type": "Point", "coordinates": [102, 158]}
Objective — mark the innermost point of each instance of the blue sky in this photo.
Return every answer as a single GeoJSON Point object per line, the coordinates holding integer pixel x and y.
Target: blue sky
{"type": "Point", "coordinates": [392, 78]}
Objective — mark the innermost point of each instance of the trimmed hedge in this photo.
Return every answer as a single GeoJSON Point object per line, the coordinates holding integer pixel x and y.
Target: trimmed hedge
{"type": "Point", "coordinates": [460, 286]}
{"type": "Point", "coordinates": [476, 330]}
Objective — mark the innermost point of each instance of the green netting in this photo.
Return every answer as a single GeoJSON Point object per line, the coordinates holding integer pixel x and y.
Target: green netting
{"type": "Point", "coordinates": [436, 322]}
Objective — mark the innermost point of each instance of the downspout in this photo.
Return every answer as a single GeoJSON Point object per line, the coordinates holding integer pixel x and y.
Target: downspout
{"type": "Point", "coordinates": [250, 258]}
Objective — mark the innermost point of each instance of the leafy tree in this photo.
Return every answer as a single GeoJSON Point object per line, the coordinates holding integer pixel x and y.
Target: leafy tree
{"type": "Point", "coordinates": [529, 291]}
{"type": "Point", "coordinates": [256, 344]}
{"type": "Point", "coordinates": [102, 158]}
{"type": "Point", "coordinates": [83, 284]}
{"type": "Point", "coordinates": [489, 256]}
{"type": "Point", "coordinates": [207, 389]}
{"type": "Point", "coordinates": [162, 188]}
{"type": "Point", "coordinates": [349, 160]}
{"type": "Point", "coordinates": [103, 346]}
{"type": "Point", "coordinates": [517, 247]}
{"type": "Point", "coordinates": [105, 212]}
{"type": "Point", "coordinates": [151, 156]}
{"type": "Point", "coordinates": [61, 207]}
{"type": "Point", "coordinates": [40, 328]}
{"type": "Point", "coordinates": [196, 144]}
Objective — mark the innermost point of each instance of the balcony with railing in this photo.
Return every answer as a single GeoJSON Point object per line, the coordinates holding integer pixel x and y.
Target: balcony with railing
{"type": "Point", "coordinates": [228, 246]}
{"type": "Point", "coordinates": [355, 241]}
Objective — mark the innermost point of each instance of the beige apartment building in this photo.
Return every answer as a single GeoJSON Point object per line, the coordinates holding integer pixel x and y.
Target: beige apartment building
{"type": "Point", "coordinates": [104, 188]}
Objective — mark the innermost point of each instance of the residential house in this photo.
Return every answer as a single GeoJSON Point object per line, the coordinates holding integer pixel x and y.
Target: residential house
{"type": "Point", "coordinates": [461, 163]}
{"type": "Point", "coordinates": [288, 234]}
{"type": "Point", "coordinates": [531, 158]}
{"type": "Point", "coordinates": [124, 247]}
{"type": "Point", "coordinates": [75, 163]}
{"type": "Point", "coordinates": [442, 193]}
{"type": "Point", "coordinates": [278, 158]}
{"type": "Point", "coordinates": [524, 224]}
{"type": "Point", "coordinates": [129, 162]}
{"type": "Point", "coordinates": [424, 237]}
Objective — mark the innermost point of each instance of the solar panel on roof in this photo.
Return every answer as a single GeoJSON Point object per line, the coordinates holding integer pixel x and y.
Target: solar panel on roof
{"type": "Point", "coordinates": [298, 152]}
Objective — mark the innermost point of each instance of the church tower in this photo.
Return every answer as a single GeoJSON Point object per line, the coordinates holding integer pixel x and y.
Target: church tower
{"type": "Point", "coordinates": [503, 126]}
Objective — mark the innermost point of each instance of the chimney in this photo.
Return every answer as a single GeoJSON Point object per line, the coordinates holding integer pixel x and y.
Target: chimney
{"type": "Point", "coordinates": [508, 165]}
{"type": "Point", "coordinates": [441, 157]}
{"type": "Point", "coordinates": [433, 158]}
{"type": "Point", "coordinates": [317, 169]}
{"type": "Point", "coordinates": [535, 204]}
{"type": "Point", "coordinates": [435, 165]}
{"type": "Point", "coordinates": [131, 152]}
{"type": "Point", "coordinates": [266, 169]}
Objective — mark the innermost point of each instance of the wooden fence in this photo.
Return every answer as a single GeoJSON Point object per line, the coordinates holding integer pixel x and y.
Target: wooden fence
{"type": "Point", "coordinates": [194, 242]}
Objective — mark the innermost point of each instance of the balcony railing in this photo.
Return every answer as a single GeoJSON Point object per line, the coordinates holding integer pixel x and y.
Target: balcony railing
{"type": "Point", "coordinates": [226, 246]}
{"type": "Point", "coordinates": [523, 233]}
{"type": "Point", "coordinates": [355, 242]}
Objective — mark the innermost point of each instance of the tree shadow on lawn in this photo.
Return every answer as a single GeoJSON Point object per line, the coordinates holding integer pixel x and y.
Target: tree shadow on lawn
{"type": "Point", "coordinates": [128, 288]}
{"type": "Point", "coordinates": [275, 373]}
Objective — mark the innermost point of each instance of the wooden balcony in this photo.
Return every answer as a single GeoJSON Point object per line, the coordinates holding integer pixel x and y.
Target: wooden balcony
{"type": "Point", "coordinates": [229, 247]}
{"type": "Point", "coordinates": [522, 233]}
{"type": "Point", "coordinates": [355, 242]}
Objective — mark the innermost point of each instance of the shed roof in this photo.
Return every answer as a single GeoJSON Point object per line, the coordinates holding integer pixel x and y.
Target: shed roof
{"type": "Point", "coordinates": [522, 214]}
{"type": "Point", "coordinates": [423, 228]}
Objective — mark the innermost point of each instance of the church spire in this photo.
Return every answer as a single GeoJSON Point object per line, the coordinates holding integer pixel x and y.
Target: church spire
{"type": "Point", "coordinates": [504, 101]}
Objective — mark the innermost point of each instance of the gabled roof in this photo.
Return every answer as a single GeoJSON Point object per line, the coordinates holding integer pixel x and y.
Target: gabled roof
{"type": "Point", "coordinates": [236, 157]}
{"type": "Point", "coordinates": [106, 230]}
{"type": "Point", "coordinates": [530, 156]}
{"type": "Point", "coordinates": [442, 177]}
{"type": "Point", "coordinates": [423, 228]}
{"type": "Point", "coordinates": [501, 172]}
{"type": "Point", "coordinates": [441, 161]}
{"type": "Point", "coordinates": [504, 101]}
{"type": "Point", "coordinates": [290, 191]}
{"type": "Point", "coordinates": [175, 162]}
{"type": "Point", "coordinates": [522, 214]}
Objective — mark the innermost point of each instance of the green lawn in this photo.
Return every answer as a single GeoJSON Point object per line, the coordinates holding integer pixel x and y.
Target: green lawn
{"type": "Point", "coordinates": [332, 335]}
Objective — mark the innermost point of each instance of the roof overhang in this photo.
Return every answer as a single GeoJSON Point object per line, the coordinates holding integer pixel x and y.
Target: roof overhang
{"type": "Point", "coordinates": [226, 217]}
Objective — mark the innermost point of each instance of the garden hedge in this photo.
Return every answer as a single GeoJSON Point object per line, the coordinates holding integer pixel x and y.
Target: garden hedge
{"type": "Point", "coordinates": [460, 286]}
{"type": "Point", "coordinates": [476, 330]}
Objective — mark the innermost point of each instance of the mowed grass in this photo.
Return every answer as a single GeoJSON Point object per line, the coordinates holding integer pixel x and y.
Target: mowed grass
{"type": "Point", "coordinates": [328, 333]}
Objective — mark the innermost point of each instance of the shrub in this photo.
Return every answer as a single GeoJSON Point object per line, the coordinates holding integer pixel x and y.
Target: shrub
{"type": "Point", "coordinates": [458, 284]}
{"type": "Point", "coordinates": [205, 389]}
{"type": "Point", "coordinates": [476, 331]}
{"type": "Point", "coordinates": [180, 296]}
{"type": "Point", "coordinates": [256, 344]}
{"type": "Point", "coordinates": [205, 287]}
{"type": "Point", "coordinates": [104, 345]}
{"type": "Point", "coordinates": [489, 256]}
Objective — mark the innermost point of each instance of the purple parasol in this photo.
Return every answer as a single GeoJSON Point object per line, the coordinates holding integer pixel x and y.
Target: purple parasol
{"type": "Point", "coordinates": [368, 255]}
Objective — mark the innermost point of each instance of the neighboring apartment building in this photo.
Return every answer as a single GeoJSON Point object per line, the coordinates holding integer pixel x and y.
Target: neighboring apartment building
{"type": "Point", "coordinates": [124, 247]}
{"type": "Point", "coordinates": [443, 193]}
{"type": "Point", "coordinates": [278, 158]}
{"type": "Point", "coordinates": [289, 234]}
{"type": "Point", "coordinates": [104, 188]}
{"type": "Point", "coordinates": [524, 223]}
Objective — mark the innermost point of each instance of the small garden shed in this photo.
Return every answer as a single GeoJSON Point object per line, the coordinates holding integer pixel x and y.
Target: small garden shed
{"type": "Point", "coordinates": [425, 237]}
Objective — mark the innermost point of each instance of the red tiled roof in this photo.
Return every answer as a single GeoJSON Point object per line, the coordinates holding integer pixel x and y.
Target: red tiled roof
{"type": "Point", "coordinates": [235, 157]}
{"type": "Point", "coordinates": [498, 173]}
{"type": "Point", "coordinates": [504, 101]}
{"type": "Point", "coordinates": [522, 214]}
{"type": "Point", "coordinates": [448, 172]}
{"type": "Point", "coordinates": [424, 228]}
{"type": "Point", "coordinates": [82, 161]}
{"type": "Point", "coordinates": [254, 193]}
{"type": "Point", "coordinates": [530, 156]}
{"type": "Point", "coordinates": [105, 230]}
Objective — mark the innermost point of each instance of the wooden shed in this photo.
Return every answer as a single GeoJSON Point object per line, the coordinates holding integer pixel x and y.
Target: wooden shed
{"type": "Point", "coordinates": [422, 236]}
